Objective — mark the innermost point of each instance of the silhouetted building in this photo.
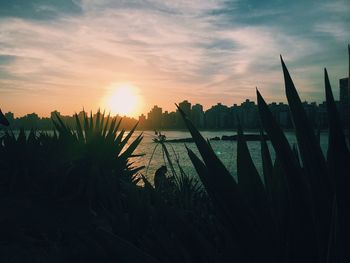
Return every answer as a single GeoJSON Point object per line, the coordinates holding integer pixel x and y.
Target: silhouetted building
{"type": "Point", "coordinates": [311, 111]}
{"type": "Point", "coordinates": [169, 120]}
{"type": "Point", "coordinates": [322, 115]}
{"type": "Point", "coordinates": [344, 92]}
{"type": "Point", "coordinates": [281, 114]}
{"type": "Point", "coordinates": [154, 117]}
{"type": "Point", "coordinates": [344, 100]}
{"type": "Point", "coordinates": [198, 115]}
{"type": "Point", "coordinates": [248, 114]}
{"type": "Point", "coordinates": [217, 116]}
{"type": "Point", "coordinates": [31, 120]}
{"type": "Point", "coordinates": [185, 106]}
{"type": "Point", "coordinates": [142, 121]}
{"type": "Point", "coordinates": [234, 113]}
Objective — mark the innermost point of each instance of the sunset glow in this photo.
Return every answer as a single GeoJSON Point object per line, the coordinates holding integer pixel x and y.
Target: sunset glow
{"type": "Point", "coordinates": [62, 55]}
{"type": "Point", "coordinates": [123, 100]}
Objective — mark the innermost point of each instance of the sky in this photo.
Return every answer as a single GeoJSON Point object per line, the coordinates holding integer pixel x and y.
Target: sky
{"type": "Point", "coordinates": [69, 54]}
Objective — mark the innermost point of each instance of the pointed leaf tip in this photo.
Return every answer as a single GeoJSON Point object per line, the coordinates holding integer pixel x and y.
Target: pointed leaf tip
{"type": "Point", "coordinates": [259, 97]}
{"type": "Point", "coordinates": [326, 76]}
{"type": "Point", "coordinates": [284, 67]}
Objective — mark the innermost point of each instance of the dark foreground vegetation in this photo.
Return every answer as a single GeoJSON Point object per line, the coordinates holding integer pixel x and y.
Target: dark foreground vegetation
{"type": "Point", "coordinates": [76, 197]}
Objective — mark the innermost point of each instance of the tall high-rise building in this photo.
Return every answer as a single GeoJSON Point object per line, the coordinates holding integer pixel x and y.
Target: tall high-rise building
{"type": "Point", "coordinates": [234, 113]}
{"type": "Point", "coordinates": [322, 115]}
{"type": "Point", "coordinates": [217, 116]}
{"type": "Point", "coordinates": [169, 120]}
{"type": "Point", "coordinates": [142, 121]}
{"type": "Point", "coordinates": [344, 92]}
{"type": "Point", "coordinates": [185, 106]}
{"type": "Point", "coordinates": [311, 111]}
{"type": "Point", "coordinates": [154, 117]}
{"type": "Point", "coordinates": [248, 114]}
{"type": "Point", "coordinates": [344, 100]}
{"type": "Point", "coordinates": [198, 115]}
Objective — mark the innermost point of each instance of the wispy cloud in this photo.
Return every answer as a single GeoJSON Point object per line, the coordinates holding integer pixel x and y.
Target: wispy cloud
{"type": "Point", "coordinates": [205, 51]}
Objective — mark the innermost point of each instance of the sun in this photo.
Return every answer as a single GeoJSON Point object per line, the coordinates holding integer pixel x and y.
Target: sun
{"type": "Point", "coordinates": [123, 99]}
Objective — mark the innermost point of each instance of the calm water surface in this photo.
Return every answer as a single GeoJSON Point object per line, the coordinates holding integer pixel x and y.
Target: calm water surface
{"type": "Point", "coordinates": [225, 150]}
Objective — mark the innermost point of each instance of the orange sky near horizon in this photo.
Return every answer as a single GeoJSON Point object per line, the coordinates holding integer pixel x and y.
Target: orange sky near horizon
{"type": "Point", "coordinates": [69, 55]}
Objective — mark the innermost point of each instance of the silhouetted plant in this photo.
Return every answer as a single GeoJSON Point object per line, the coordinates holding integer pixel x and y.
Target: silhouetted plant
{"type": "Point", "coordinates": [302, 212]}
{"type": "Point", "coordinates": [3, 120]}
{"type": "Point", "coordinates": [72, 196]}
{"type": "Point", "coordinates": [58, 188]}
{"type": "Point", "coordinates": [186, 191]}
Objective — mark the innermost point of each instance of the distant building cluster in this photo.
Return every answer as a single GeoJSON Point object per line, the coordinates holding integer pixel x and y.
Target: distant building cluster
{"type": "Point", "coordinates": [218, 116]}
{"type": "Point", "coordinates": [221, 116]}
{"type": "Point", "coordinates": [33, 121]}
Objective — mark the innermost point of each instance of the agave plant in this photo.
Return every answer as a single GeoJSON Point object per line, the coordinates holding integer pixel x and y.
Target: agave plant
{"type": "Point", "coordinates": [97, 155]}
{"type": "Point", "coordinates": [72, 196]}
{"type": "Point", "coordinates": [58, 188]}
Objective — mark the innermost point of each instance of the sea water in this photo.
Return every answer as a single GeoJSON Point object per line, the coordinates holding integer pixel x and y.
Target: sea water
{"type": "Point", "coordinates": [153, 156]}
{"type": "Point", "coordinates": [225, 150]}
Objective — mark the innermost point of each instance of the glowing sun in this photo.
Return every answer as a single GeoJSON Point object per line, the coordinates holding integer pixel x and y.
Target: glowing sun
{"type": "Point", "coordinates": [123, 100]}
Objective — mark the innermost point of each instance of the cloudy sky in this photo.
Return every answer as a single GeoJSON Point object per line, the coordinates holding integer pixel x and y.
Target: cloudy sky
{"type": "Point", "coordinates": [69, 54]}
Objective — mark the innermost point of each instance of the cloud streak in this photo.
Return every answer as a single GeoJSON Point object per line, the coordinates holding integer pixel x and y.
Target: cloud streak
{"type": "Point", "coordinates": [206, 51]}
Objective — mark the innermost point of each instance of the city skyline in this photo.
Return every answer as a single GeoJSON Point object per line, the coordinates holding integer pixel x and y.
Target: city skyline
{"type": "Point", "coordinates": [218, 116]}
{"type": "Point", "coordinates": [342, 94]}
{"type": "Point", "coordinates": [146, 113]}
{"type": "Point", "coordinates": [72, 54]}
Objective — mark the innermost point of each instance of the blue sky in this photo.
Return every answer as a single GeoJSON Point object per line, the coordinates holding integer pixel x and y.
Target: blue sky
{"type": "Point", "coordinates": [69, 54]}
